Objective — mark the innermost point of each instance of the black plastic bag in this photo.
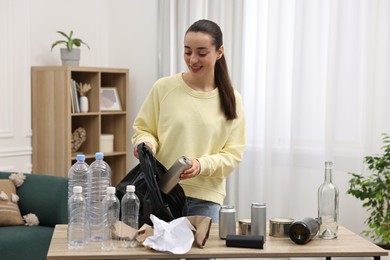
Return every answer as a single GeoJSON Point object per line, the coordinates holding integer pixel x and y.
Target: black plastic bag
{"type": "Point", "coordinates": [145, 177]}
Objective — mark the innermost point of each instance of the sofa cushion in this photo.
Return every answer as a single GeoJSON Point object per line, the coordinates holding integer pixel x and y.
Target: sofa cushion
{"type": "Point", "coordinates": [9, 209]}
{"type": "Point", "coordinates": [45, 196]}
{"type": "Point", "coordinates": [22, 242]}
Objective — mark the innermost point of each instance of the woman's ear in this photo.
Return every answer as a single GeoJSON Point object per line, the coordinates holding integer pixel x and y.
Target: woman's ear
{"type": "Point", "coordinates": [220, 52]}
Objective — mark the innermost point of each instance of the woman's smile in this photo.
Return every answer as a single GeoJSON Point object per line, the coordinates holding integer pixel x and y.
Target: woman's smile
{"type": "Point", "coordinates": [195, 69]}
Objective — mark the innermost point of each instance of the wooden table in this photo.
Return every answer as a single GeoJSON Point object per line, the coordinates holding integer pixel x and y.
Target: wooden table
{"type": "Point", "coordinates": [347, 244]}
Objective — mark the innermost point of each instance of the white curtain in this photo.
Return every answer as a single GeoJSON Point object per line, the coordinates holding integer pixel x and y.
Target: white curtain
{"type": "Point", "coordinates": [314, 76]}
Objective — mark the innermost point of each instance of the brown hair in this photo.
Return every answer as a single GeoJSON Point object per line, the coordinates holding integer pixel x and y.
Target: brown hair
{"type": "Point", "coordinates": [221, 73]}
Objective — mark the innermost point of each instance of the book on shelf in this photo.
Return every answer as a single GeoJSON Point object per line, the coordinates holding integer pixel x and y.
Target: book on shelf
{"type": "Point", "coordinates": [74, 97]}
{"type": "Point", "coordinates": [71, 98]}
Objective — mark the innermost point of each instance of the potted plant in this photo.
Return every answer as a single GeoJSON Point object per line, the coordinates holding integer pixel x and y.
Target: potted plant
{"type": "Point", "coordinates": [70, 56]}
{"type": "Point", "coordinates": [374, 191]}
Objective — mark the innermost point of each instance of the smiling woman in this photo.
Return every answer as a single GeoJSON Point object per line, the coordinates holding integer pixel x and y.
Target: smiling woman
{"type": "Point", "coordinates": [197, 114]}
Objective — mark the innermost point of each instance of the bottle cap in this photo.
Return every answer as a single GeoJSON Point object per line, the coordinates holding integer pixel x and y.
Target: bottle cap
{"type": "Point", "coordinates": [111, 190]}
{"type": "Point", "coordinates": [99, 156]}
{"type": "Point", "coordinates": [130, 188]}
{"type": "Point", "coordinates": [80, 157]}
{"type": "Point", "coordinates": [77, 189]}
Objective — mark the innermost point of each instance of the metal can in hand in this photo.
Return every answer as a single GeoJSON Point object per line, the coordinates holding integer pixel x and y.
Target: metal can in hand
{"type": "Point", "coordinates": [227, 221]}
{"type": "Point", "coordinates": [258, 219]}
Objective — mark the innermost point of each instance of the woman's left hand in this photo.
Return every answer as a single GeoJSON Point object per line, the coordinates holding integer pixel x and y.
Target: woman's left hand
{"type": "Point", "coordinates": [191, 172]}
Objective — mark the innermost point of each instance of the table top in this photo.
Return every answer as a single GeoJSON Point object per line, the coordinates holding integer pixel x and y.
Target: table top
{"type": "Point", "coordinates": [347, 244]}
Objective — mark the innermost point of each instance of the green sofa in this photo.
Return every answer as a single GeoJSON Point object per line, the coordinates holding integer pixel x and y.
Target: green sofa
{"type": "Point", "coordinates": [45, 196]}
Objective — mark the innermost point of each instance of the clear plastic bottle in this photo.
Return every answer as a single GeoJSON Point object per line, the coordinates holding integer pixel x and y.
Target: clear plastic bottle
{"type": "Point", "coordinates": [111, 208]}
{"type": "Point", "coordinates": [129, 215]}
{"type": "Point", "coordinates": [328, 205]}
{"type": "Point", "coordinates": [99, 178]}
{"type": "Point", "coordinates": [78, 175]}
{"type": "Point", "coordinates": [77, 219]}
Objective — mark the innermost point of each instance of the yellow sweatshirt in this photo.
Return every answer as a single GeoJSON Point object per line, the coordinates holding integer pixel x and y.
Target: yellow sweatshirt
{"type": "Point", "coordinates": [178, 120]}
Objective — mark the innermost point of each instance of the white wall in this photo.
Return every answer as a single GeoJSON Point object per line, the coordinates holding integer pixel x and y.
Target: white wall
{"type": "Point", "coordinates": [121, 34]}
{"type": "Point", "coordinates": [15, 112]}
{"type": "Point", "coordinates": [133, 44]}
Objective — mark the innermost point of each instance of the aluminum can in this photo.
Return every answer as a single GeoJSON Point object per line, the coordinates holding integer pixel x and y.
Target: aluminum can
{"type": "Point", "coordinates": [227, 221]}
{"type": "Point", "coordinates": [258, 219]}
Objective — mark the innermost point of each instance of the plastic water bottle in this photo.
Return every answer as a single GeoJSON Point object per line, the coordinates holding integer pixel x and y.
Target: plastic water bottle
{"type": "Point", "coordinates": [99, 178]}
{"type": "Point", "coordinates": [111, 208]}
{"type": "Point", "coordinates": [77, 219]}
{"type": "Point", "coordinates": [129, 215]}
{"type": "Point", "coordinates": [77, 175]}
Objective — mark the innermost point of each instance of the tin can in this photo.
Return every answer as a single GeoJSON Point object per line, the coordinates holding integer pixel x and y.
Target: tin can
{"type": "Point", "coordinates": [279, 226]}
{"type": "Point", "coordinates": [258, 219]}
{"type": "Point", "coordinates": [227, 221]}
{"type": "Point", "coordinates": [244, 227]}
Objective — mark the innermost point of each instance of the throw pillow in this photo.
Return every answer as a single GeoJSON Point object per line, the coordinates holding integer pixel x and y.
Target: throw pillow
{"type": "Point", "coordinates": [9, 209]}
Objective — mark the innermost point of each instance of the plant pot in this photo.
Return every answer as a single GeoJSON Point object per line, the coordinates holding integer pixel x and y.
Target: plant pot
{"type": "Point", "coordinates": [70, 58]}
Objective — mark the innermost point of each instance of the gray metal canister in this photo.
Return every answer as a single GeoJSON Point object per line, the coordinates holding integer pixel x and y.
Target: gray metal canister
{"type": "Point", "coordinates": [258, 219]}
{"type": "Point", "coordinates": [227, 221]}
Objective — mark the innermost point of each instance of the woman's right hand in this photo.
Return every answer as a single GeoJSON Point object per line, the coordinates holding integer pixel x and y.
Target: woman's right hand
{"type": "Point", "coordinates": [135, 150]}
{"type": "Point", "coordinates": [191, 172]}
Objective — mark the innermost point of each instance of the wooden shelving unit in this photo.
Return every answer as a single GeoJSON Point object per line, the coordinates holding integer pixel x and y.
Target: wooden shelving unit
{"type": "Point", "coordinates": [53, 120]}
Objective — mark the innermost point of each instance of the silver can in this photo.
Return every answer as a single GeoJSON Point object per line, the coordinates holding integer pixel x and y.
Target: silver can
{"type": "Point", "coordinates": [258, 219]}
{"type": "Point", "coordinates": [227, 221]}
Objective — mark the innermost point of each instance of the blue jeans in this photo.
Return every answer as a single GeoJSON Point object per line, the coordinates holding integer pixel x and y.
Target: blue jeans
{"type": "Point", "coordinates": [197, 207]}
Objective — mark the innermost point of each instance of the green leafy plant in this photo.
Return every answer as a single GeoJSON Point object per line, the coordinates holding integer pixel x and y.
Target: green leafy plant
{"type": "Point", "coordinates": [374, 191]}
{"type": "Point", "coordinates": [69, 42]}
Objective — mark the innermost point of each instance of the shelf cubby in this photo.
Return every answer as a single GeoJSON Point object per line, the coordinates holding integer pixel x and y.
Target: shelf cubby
{"type": "Point", "coordinates": [53, 121]}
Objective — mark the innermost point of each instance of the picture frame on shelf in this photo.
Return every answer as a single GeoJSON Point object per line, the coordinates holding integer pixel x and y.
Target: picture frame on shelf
{"type": "Point", "coordinates": [109, 99]}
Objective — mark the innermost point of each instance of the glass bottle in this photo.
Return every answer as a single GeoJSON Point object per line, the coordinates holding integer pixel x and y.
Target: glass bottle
{"type": "Point", "coordinates": [328, 205]}
{"type": "Point", "coordinates": [304, 230]}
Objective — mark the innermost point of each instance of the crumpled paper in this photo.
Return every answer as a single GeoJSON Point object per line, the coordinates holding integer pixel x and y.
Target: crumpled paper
{"type": "Point", "coordinates": [175, 237]}
{"type": "Point", "coordinates": [202, 224]}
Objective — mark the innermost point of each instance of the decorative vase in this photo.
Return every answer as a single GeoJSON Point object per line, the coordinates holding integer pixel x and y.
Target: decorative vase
{"type": "Point", "coordinates": [70, 58]}
{"type": "Point", "coordinates": [83, 104]}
